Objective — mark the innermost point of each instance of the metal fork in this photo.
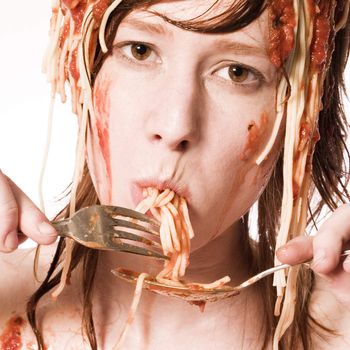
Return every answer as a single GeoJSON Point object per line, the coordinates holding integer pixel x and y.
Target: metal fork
{"type": "Point", "coordinates": [199, 295]}
{"type": "Point", "coordinates": [105, 227]}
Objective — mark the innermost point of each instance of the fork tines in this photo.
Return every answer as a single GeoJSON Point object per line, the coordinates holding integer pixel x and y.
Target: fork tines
{"type": "Point", "coordinates": [132, 214]}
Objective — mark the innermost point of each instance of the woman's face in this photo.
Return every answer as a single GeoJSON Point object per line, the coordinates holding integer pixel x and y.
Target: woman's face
{"type": "Point", "coordinates": [187, 111]}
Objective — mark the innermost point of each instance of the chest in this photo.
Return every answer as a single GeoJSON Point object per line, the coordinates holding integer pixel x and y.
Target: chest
{"type": "Point", "coordinates": [66, 334]}
{"type": "Point", "coordinates": [178, 326]}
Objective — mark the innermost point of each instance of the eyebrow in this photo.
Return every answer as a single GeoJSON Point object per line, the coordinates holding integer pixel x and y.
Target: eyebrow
{"type": "Point", "coordinates": [156, 28]}
{"type": "Point", "coordinates": [239, 47]}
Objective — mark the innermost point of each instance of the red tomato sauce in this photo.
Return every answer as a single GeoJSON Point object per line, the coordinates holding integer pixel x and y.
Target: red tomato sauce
{"type": "Point", "coordinates": [282, 23]}
{"type": "Point", "coordinates": [73, 68]}
{"type": "Point", "coordinates": [296, 190]}
{"type": "Point", "coordinates": [77, 9]}
{"type": "Point", "coordinates": [255, 134]}
{"type": "Point", "coordinates": [103, 136]}
{"type": "Point", "coordinates": [102, 110]}
{"type": "Point", "coordinates": [101, 100]}
{"type": "Point", "coordinates": [320, 11]}
{"type": "Point", "coordinates": [11, 337]}
{"type": "Point", "coordinates": [99, 9]}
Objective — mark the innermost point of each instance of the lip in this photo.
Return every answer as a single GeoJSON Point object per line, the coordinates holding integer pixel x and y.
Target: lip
{"type": "Point", "coordinates": [138, 186]}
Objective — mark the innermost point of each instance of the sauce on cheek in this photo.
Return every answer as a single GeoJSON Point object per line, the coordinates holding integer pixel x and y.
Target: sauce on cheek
{"type": "Point", "coordinates": [102, 110]}
{"type": "Point", "coordinates": [11, 337]}
{"type": "Point", "coordinates": [255, 135]}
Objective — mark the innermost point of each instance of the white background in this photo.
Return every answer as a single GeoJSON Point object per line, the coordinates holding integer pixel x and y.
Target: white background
{"type": "Point", "coordinates": [24, 104]}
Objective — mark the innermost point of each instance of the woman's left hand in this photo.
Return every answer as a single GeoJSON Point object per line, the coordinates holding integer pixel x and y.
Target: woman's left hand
{"type": "Point", "coordinates": [325, 248]}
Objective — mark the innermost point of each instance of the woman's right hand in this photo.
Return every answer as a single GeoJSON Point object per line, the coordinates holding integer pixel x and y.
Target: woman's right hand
{"type": "Point", "coordinates": [20, 218]}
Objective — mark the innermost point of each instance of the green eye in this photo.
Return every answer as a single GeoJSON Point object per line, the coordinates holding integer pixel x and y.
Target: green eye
{"type": "Point", "coordinates": [238, 74]}
{"type": "Point", "coordinates": [140, 51]}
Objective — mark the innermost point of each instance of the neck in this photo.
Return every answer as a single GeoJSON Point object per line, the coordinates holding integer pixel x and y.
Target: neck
{"type": "Point", "coordinates": [222, 256]}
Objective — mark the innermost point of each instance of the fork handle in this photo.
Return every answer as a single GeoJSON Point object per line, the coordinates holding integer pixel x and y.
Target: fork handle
{"type": "Point", "coordinates": [62, 228]}
{"type": "Point", "coordinates": [274, 269]}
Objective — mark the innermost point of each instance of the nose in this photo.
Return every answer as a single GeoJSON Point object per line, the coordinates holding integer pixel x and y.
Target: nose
{"type": "Point", "coordinates": [174, 121]}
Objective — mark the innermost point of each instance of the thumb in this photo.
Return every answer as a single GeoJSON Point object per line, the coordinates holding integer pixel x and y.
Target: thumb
{"type": "Point", "coordinates": [296, 251]}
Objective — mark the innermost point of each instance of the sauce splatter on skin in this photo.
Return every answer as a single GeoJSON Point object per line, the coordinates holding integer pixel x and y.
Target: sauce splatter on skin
{"type": "Point", "coordinates": [101, 100]}
{"type": "Point", "coordinates": [102, 111]}
{"type": "Point", "coordinates": [11, 337]}
{"type": "Point", "coordinates": [255, 135]}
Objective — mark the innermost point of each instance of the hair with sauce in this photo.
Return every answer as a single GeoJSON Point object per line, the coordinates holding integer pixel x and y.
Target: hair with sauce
{"type": "Point", "coordinates": [329, 173]}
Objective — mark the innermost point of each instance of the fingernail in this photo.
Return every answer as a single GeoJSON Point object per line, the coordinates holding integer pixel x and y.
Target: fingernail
{"type": "Point", "coordinates": [283, 250]}
{"type": "Point", "coordinates": [46, 229]}
{"type": "Point", "coordinates": [11, 241]}
{"type": "Point", "coordinates": [318, 258]}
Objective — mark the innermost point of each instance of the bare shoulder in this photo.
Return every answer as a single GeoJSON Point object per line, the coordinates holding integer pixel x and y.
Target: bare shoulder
{"type": "Point", "coordinates": [17, 278]}
{"type": "Point", "coordinates": [60, 321]}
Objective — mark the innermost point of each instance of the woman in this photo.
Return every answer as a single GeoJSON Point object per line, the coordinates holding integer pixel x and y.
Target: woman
{"type": "Point", "coordinates": [199, 98]}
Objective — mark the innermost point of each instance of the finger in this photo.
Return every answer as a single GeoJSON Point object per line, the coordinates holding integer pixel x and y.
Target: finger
{"type": "Point", "coordinates": [31, 221]}
{"type": "Point", "coordinates": [8, 217]}
{"type": "Point", "coordinates": [330, 241]}
{"type": "Point", "coordinates": [296, 251]}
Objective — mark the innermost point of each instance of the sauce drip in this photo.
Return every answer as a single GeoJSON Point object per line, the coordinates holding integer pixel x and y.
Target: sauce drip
{"type": "Point", "coordinates": [102, 108]}
{"type": "Point", "coordinates": [11, 337]}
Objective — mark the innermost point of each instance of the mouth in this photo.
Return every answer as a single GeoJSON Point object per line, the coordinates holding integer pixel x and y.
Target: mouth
{"type": "Point", "coordinates": [138, 186]}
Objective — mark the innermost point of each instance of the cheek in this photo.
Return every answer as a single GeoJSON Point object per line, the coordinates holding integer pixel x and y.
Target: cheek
{"type": "Point", "coordinates": [238, 179]}
{"type": "Point", "coordinates": [256, 138]}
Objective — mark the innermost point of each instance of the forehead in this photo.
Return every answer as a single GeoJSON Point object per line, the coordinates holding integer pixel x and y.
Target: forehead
{"type": "Point", "coordinates": [189, 9]}
{"type": "Point", "coordinates": [183, 10]}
